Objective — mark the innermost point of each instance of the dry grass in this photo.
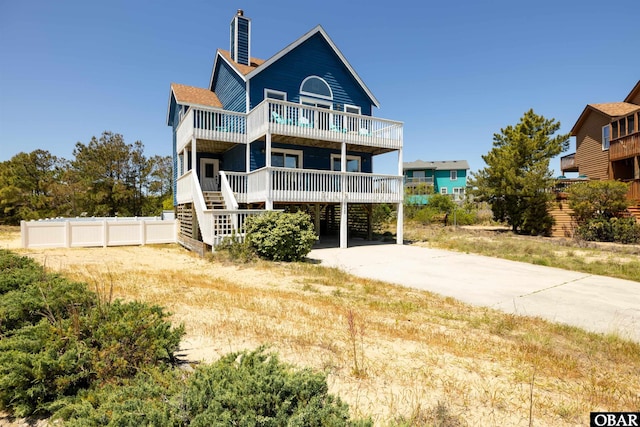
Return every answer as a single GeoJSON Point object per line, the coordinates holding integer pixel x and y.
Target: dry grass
{"type": "Point", "coordinates": [401, 356]}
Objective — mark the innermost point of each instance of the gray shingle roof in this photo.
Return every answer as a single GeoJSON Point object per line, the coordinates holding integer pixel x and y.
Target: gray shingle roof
{"type": "Point", "coordinates": [437, 165]}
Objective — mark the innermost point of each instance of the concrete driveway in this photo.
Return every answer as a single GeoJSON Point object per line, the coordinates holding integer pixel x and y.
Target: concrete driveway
{"type": "Point", "coordinates": [595, 303]}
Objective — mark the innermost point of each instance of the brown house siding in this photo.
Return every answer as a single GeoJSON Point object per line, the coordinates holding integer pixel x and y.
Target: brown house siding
{"type": "Point", "coordinates": [635, 99]}
{"type": "Point", "coordinates": [590, 158]}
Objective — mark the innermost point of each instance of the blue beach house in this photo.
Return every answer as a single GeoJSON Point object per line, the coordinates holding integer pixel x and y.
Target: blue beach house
{"type": "Point", "coordinates": [293, 132]}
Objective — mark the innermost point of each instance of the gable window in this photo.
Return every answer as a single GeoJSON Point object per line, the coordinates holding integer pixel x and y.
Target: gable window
{"type": "Point", "coordinates": [353, 163]}
{"type": "Point", "coordinates": [316, 86]}
{"type": "Point", "coordinates": [443, 190]}
{"type": "Point", "coordinates": [281, 158]}
{"type": "Point", "coordinates": [352, 109]}
{"type": "Point", "coordinates": [606, 137]}
{"type": "Point", "coordinates": [454, 175]}
{"type": "Point", "coordinates": [275, 94]}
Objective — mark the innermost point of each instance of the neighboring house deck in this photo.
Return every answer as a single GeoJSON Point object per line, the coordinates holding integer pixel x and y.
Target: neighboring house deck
{"type": "Point", "coordinates": [608, 143]}
{"type": "Point", "coordinates": [448, 177]}
{"type": "Point", "coordinates": [294, 132]}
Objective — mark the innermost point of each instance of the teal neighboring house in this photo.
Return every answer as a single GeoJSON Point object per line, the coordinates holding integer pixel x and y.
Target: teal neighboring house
{"type": "Point", "coordinates": [422, 178]}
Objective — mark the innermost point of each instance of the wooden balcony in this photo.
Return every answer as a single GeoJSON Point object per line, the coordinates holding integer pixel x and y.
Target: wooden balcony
{"type": "Point", "coordinates": [568, 163]}
{"type": "Point", "coordinates": [291, 123]}
{"type": "Point", "coordinates": [625, 147]}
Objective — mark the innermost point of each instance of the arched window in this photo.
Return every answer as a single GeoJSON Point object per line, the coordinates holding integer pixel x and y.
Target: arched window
{"type": "Point", "coordinates": [316, 86]}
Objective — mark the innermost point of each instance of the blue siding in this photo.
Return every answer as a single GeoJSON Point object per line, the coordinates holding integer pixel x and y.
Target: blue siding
{"type": "Point", "coordinates": [234, 159]}
{"type": "Point", "coordinates": [174, 121]}
{"type": "Point", "coordinates": [243, 41]}
{"type": "Point", "coordinates": [313, 57]}
{"type": "Point", "coordinates": [312, 157]}
{"type": "Point", "coordinates": [230, 88]}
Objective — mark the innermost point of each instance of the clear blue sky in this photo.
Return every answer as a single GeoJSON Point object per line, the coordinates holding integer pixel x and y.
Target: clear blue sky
{"type": "Point", "coordinates": [454, 72]}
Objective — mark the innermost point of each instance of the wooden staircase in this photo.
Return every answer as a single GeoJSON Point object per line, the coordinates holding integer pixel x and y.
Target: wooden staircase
{"type": "Point", "coordinates": [634, 210]}
{"type": "Point", "coordinates": [213, 199]}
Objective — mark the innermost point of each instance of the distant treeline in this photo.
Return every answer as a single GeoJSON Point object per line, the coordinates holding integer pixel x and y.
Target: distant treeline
{"type": "Point", "coordinates": [106, 177]}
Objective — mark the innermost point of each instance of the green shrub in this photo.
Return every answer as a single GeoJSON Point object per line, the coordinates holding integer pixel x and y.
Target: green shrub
{"type": "Point", "coordinates": [281, 236]}
{"type": "Point", "coordinates": [625, 230]}
{"type": "Point", "coordinates": [52, 297]}
{"type": "Point", "coordinates": [621, 230]}
{"type": "Point", "coordinates": [236, 249]}
{"type": "Point", "coordinates": [242, 389]}
{"type": "Point", "coordinates": [154, 397]}
{"type": "Point", "coordinates": [254, 388]}
{"type": "Point", "coordinates": [57, 338]}
{"type": "Point", "coordinates": [380, 215]}
{"type": "Point", "coordinates": [597, 199]}
{"type": "Point", "coordinates": [17, 271]}
{"type": "Point", "coordinates": [44, 362]}
{"type": "Point", "coordinates": [39, 364]}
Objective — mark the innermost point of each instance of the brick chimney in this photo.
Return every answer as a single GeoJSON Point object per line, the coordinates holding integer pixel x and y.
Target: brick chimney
{"type": "Point", "coordinates": [241, 38]}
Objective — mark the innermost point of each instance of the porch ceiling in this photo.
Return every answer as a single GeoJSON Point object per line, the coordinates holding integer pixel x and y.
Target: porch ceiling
{"type": "Point", "coordinates": [308, 142]}
{"type": "Point", "coordinates": [213, 146]}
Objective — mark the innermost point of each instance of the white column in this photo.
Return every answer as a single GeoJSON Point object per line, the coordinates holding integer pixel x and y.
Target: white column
{"type": "Point", "coordinates": [193, 156]}
{"type": "Point", "coordinates": [185, 161]}
{"type": "Point", "coordinates": [268, 204]}
{"type": "Point", "coordinates": [400, 210]}
{"type": "Point", "coordinates": [248, 157]}
{"type": "Point", "coordinates": [344, 225]}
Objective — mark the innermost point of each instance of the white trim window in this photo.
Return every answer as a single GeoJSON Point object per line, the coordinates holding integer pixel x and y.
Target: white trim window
{"type": "Point", "coordinates": [354, 109]}
{"type": "Point", "coordinates": [443, 190]}
{"type": "Point", "coordinates": [285, 158]}
{"type": "Point", "coordinates": [453, 175]}
{"type": "Point", "coordinates": [317, 87]}
{"type": "Point", "coordinates": [458, 193]}
{"type": "Point", "coordinates": [353, 163]}
{"type": "Point", "coordinates": [606, 137]}
{"type": "Point", "coordinates": [275, 94]}
{"type": "Point", "coordinates": [352, 123]}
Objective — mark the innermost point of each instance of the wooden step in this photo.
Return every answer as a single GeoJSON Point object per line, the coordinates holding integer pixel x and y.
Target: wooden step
{"type": "Point", "coordinates": [213, 199]}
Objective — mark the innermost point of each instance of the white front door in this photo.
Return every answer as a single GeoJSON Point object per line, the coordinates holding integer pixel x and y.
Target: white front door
{"type": "Point", "coordinates": [209, 177]}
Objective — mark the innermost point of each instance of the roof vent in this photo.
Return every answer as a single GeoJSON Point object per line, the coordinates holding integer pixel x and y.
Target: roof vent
{"type": "Point", "coordinates": [241, 38]}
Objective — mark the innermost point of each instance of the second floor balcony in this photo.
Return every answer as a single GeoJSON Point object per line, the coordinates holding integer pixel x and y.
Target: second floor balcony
{"type": "Point", "coordinates": [568, 163]}
{"type": "Point", "coordinates": [290, 123]}
{"type": "Point", "coordinates": [625, 137]}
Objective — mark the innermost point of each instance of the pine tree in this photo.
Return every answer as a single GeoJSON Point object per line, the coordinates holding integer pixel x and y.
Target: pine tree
{"type": "Point", "coordinates": [517, 176]}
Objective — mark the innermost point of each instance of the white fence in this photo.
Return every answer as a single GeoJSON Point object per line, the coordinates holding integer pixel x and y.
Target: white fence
{"type": "Point", "coordinates": [71, 233]}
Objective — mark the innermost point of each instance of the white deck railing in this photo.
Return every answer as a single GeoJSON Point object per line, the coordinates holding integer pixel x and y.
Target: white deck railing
{"type": "Point", "coordinates": [298, 120]}
{"type": "Point", "coordinates": [306, 185]}
{"type": "Point", "coordinates": [211, 124]}
{"type": "Point", "coordinates": [229, 223]}
{"type": "Point", "coordinates": [289, 119]}
{"type": "Point", "coordinates": [230, 201]}
{"type": "Point", "coordinates": [238, 184]}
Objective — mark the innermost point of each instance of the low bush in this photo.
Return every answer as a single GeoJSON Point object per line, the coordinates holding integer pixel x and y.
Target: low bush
{"type": "Point", "coordinates": [243, 389]}
{"type": "Point", "coordinates": [154, 397]}
{"type": "Point", "coordinates": [255, 388]}
{"type": "Point", "coordinates": [17, 271]}
{"type": "Point", "coordinates": [621, 230]}
{"type": "Point", "coordinates": [58, 338]}
{"type": "Point", "coordinates": [280, 236]}
{"type": "Point", "coordinates": [236, 249]}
